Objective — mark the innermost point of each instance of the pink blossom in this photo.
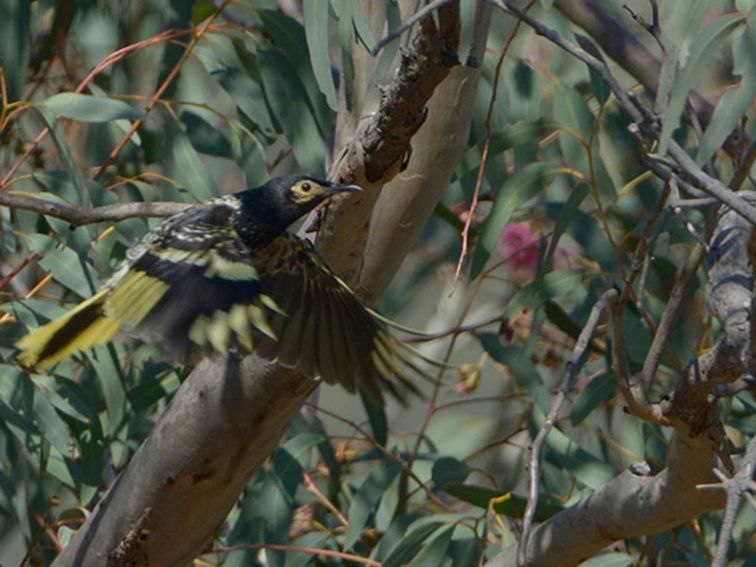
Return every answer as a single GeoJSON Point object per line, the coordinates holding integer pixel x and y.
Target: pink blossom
{"type": "Point", "coordinates": [519, 246]}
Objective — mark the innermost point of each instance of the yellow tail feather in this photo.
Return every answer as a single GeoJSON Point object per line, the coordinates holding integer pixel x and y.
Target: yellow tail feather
{"type": "Point", "coordinates": [85, 326]}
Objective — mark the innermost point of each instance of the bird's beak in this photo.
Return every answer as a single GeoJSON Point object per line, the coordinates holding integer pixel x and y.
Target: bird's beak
{"type": "Point", "coordinates": [338, 188]}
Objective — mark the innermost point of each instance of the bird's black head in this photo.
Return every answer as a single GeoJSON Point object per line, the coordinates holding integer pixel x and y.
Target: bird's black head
{"type": "Point", "coordinates": [268, 210]}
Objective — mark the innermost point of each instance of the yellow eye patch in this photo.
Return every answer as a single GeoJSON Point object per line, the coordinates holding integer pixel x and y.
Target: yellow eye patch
{"type": "Point", "coordinates": [307, 189]}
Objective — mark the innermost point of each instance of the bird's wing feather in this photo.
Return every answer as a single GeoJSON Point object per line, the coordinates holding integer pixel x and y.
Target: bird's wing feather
{"type": "Point", "coordinates": [327, 331]}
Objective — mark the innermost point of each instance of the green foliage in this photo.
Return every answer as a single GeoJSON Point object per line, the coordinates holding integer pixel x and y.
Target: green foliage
{"type": "Point", "coordinates": [257, 96]}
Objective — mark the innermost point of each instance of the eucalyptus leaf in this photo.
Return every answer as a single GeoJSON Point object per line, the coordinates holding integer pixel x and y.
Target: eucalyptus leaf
{"type": "Point", "coordinates": [731, 108]}
{"type": "Point", "coordinates": [316, 30]}
{"type": "Point", "coordinates": [88, 108]}
{"type": "Point", "coordinates": [283, 91]}
{"type": "Point", "coordinates": [58, 136]}
{"type": "Point", "coordinates": [536, 293]}
{"type": "Point", "coordinates": [434, 551]}
{"type": "Point", "coordinates": [15, 44]}
{"type": "Point", "coordinates": [509, 505]}
{"type": "Point", "coordinates": [519, 364]}
{"type": "Point", "coordinates": [449, 470]}
{"type": "Point", "coordinates": [65, 265]}
{"type": "Point", "coordinates": [367, 498]}
{"type": "Point", "coordinates": [704, 47]}
{"type": "Point", "coordinates": [598, 390]}
{"type": "Point", "coordinates": [409, 546]}
{"type": "Point", "coordinates": [610, 560]}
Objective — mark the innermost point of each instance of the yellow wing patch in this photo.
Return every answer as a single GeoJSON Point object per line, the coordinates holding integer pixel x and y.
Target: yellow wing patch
{"type": "Point", "coordinates": [134, 297]}
{"type": "Point", "coordinates": [46, 346]}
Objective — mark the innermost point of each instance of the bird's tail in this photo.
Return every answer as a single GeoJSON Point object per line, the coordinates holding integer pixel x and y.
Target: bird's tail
{"type": "Point", "coordinates": [85, 326]}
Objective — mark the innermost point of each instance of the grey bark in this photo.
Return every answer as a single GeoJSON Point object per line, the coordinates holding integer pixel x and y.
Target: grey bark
{"type": "Point", "coordinates": [624, 47]}
{"type": "Point", "coordinates": [406, 203]}
{"type": "Point", "coordinates": [381, 145]}
{"type": "Point", "coordinates": [183, 480]}
{"type": "Point", "coordinates": [730, 289]}
{"type": "Point", "coordinates": [630, 505]}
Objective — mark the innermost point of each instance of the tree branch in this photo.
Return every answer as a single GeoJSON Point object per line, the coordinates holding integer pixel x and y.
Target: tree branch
{"type": "Point", "coordinates": [76, 216]}
{"type": "Point", "coordinates": [729, 292]}
{"type": "Point", "coordinates": [381, 147]}
{"type": "Point", "coordinates": [633, 505]}
{"type": "Point", "coordinates": [629, 506]}
{"type": "Point", "coordinates": [220, 427]}
{"type": "Point", "coordinates": [409, 199]}
{"type": "Point", "coordinates": [739, 486]}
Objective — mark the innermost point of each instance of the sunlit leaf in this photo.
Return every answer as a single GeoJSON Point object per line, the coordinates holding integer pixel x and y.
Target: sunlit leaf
{"type": "Point", "coordinates": [87, 108]}
{"type": "Point", "coordinates": [316, 30]}
{"type": "Point", "coordinates": [283, 91]}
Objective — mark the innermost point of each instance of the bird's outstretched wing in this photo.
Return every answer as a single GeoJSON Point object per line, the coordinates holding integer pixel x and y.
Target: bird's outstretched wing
{"type": "Point", "coordinates": [326, 330]}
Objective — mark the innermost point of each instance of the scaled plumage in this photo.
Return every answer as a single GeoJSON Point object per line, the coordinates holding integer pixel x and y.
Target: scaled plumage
{"type": "Point", "coordinates": [227, 276]}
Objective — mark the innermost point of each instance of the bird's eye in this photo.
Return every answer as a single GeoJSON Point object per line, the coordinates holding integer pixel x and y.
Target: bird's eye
{"type": "Point", "coordinates": [305, 186]}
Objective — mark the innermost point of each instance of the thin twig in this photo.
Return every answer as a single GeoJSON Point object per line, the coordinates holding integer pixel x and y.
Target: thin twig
{"type": "Point", "coordinates": [419, 15]}
{"type": "Point", "coordinates": [161, 89]}
{"type": "Point", "coordinates": [571, 368]}
{"type": "Point", "coordinates": [295, 549]}
{"type": "Point", "coordinates": [652, 28]}
{"type": "Point", "coordinates": [486, 146]}
{"type": "Point", "coordinates": [632, 391]}
{"type": "Point", "coordinates": [737, 487]}
{"type": "Point", "coordinates": [744, 170]}
{"type": "Point", "coordinates": [711, 185]}
{"type": "Point", "coordinates": [644, 252]}
{"type": "Point", "coordinates": [391, 455]}
{"type": "Point", "coordinates": [16, 269]}
{"type": "Point", "coordinates": [104, 64]}
{"type": "Point", "coordinates": [310, 485]}
{"type": "Point", "coordinates": [459, 330]}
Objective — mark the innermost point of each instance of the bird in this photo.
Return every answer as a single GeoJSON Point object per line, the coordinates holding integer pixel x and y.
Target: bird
{"type": "Point", "coordinates": [226, 276]}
